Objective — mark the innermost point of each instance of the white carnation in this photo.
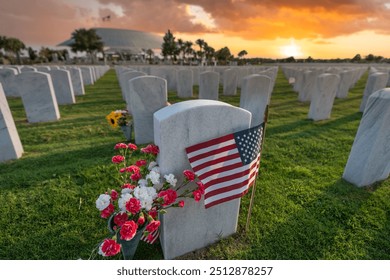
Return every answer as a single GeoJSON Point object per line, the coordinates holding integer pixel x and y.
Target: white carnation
{"type": "Point", "coordinates": [152, 164]}
{"type": "Point", "coordinates": [154, 177]}
{"type": "Point", "coordinates": [171, 179]}
{"type": "Point", "coordinates": [145, 195]}
{"type": "Point", "coordinates": [103, 201]}
{"type": "Point", "coordinates": [125, 197]}
{"type": "Point", "coordinates": [143, 183]}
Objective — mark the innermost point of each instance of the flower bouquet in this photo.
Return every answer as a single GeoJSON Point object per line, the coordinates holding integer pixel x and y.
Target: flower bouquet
{"type": "Point", "coordinates": [121, 118]}
{"type": "Point", "coordinates": [144, 195]}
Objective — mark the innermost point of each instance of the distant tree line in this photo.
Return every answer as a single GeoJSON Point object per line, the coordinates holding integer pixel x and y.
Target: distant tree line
{"type": "Point", "coordinates": [175, 51]}
{"type": "Point", "coordinates": [183, 52]}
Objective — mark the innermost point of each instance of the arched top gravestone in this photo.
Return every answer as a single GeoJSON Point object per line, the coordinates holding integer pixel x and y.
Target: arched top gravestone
{"type": "Point", "coordinates": [38, 97]}
{"type": "Point", "coordinates": [148, 94]}
{"type": "Point", "coordinates": [10, 145]}
{"type": "Point", "coordinates": [369, 159]}
{"type": "Point", "coordinates": [208, 85]}
{"type": "Point", "coordinates": [179, 126]}
{"type": "Point", "coordinates": [255, 91]}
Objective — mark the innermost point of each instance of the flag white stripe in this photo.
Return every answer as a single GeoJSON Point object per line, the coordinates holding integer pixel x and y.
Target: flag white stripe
{"type": "Point", "coordinates": [212, 157]}
{"type": "Point", "coordinates": [234, 192]}
{"type": "Point", "coordinates": [230, 182]}
{"type": "Point", "coordinates": [211, 148]}
{"type": "Point", "coordinates": [217, 165]}
{"type": "Point", "coordinates": [223, 174]}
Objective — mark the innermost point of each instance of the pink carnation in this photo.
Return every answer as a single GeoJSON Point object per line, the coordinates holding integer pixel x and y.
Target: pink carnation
{"type": "Point", "coordinates": [132, 147]}
{"type": "Point", "coordinates": [128, 186]}
{"type": "Point", "coordinates": [120, 219]}
{"type": "Point", "coordinates": [140, 162]}
{"type": "Point", "coordinates": [118, 159]}
{"type": "Point", "coordinates": [151, 149]}
{"type": "Point", "coordinates": [189, 175]}
{"type": "Point", "coordinates": [107, 211]}
{"type": "Point", "coordinates": [128, 230]}
{"type": "Point", "coordinates": [152, 226]}
{"type": "Point", "coordinates": [153, 213]}
{"type": "Point", "coordinates": [133, 205]}
{"type": "Point", "coordinates": [109, 248]}
{"type": "Point", "coordinates": [197, 195]}
{"type": "Point", "coordinates": [114, 195]}
{"type": "Point", "coordinates": [133, 169]}
{"type": "Point", "coordinates": [169, 196]}
{"type": "Point", "coordinates": [120, 146]}
{"type": "Point", "coordinates": [135, 176]}
{"type": "Point", "coordinates": [201, 187]}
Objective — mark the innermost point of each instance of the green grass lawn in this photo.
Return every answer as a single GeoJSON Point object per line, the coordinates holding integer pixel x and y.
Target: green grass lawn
{"type": "Point", "coordinates": [303, 209]}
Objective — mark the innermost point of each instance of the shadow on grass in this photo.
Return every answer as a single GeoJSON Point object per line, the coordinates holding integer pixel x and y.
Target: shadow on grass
{"type": "Point", "coordinates": [327, 227]}
{"type": "Point", "coordinates": [52, 165]}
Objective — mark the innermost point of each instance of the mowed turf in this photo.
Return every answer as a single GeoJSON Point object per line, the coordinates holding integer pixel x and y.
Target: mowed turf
{"type": "Point", "coordinates": [303, 209]}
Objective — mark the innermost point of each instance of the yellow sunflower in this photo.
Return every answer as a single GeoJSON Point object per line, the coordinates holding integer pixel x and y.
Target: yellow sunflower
{"type": "Point", "coordinates": [113, 118]}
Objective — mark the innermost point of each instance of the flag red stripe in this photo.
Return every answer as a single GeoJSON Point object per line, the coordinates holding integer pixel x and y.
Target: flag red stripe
{"type": "Point", "coordinates": [225, 199]}
{"type": "Point", "coordinates": [213, 152]}
{"type": "Point", "coordinates": [231, 177]}
{"type": "Point", "coordinates": [220, 170]}
{"type": "Point", "coordinates": [209, 143]}
{"type": "Point", "coordinates": [215, 161]}
{"type": "Point", "coordinates": [229, 188]}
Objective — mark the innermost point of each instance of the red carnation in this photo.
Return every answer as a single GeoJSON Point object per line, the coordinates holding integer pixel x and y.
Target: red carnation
{"type": "Point", "coordinates": [118, 159]}
{"type": "Point", "coordinates": [201, 187]}
{"type": "Point", "coordinates": [189, 175]}
{"type": "Point", "coordinates": [141, 220]}
{"type": "Point", "coordinates": [151, 149]}
{"type": "Point", "coordinates": [135, 176]}
{"type": "Point", "coordinates": [120, 219]}
{"type": "Point", "coordinates": [152, 226]}
{"type": "Point", "coordinates": [169, 196]}
{"type": "Point", "coordinates": [153, 213]}
{"type": "Point", "coordinates": [110, 248]}
{"type": "Point", "coordinates": [107, 211]}
{"type": "Point", "coordinates": [120, 146]}
{"type": "Point", "coordinates": [133, 205]}
{"type": "Point", "coordinates": [114, 195]}
{"type": "Point", "coordinates": [133, 169]}
{"type": "Point", "coordinates": [181, 203]}
{"type": "Point", "coordinates": [132, 147]}
{"type": "Point", "coordinates": [197, 195]}
{"type": "Point", "coordinates": [140, 162]}
{"type": "Point", "coordinates": [128, 230]}
{"type": "Point", "coordinates": [128, 186]}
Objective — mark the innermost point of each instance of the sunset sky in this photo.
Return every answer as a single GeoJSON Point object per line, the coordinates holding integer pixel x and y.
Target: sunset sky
{"type": "Point", "coordinates": [264, 28]}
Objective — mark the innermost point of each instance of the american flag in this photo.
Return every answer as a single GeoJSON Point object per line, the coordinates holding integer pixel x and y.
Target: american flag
{"type": "Point", "coordinates": [227, 165]}
{"type": "Point", "coordinates": [155, 235]}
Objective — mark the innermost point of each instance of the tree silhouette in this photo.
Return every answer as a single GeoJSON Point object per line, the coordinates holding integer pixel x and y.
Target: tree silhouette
{"type": "Point", "coordinates": [86, 40]}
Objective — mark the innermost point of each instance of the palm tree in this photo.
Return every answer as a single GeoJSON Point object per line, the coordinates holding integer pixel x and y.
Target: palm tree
{"type": "Point", "coordinates": [188, 48]}
{"type": "Point", "coordinates": [86, 40]}
{"type": "Point", "coordinates": [150, 53]}
{"type": "Point", "coordinates": [242, 53]}
{"type": "Point", "coordinates": [200, 43]}
{"type": "Point", "coordinates": [13, 45]}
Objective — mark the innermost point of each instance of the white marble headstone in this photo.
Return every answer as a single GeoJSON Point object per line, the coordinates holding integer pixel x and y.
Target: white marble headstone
{"type": "Point", "coordinates": [10, 145]}
{"type": "Point", "coordinates": [375, 82]}
{"type": "Point", "coordinates": [38, 97]}
{"type": "Point", "coordinates": [369, 159]}
{"type": "Point", "coordinates": [179, 126]}
{"type": "Point", "coordinates": [184, 80]}
{"type": "Point", "coordinates": [148, 94]}
{"type": "Point", "coordinates": [323, 96]}
{"type": "Point", "coordinates": [63, 87]}
{"type": "Point", "coordinates": [230, 81]}
{"type": "Point", "coordinates": [209, 85]}
{"type": "Point", "coordinates": [255, 90]}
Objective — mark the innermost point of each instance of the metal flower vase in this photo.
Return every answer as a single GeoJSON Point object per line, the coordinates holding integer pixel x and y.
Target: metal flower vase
{"type": "Point", "coordinates": [128, 248]}
{"type": "Point", "coordinates": [127, 130]}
